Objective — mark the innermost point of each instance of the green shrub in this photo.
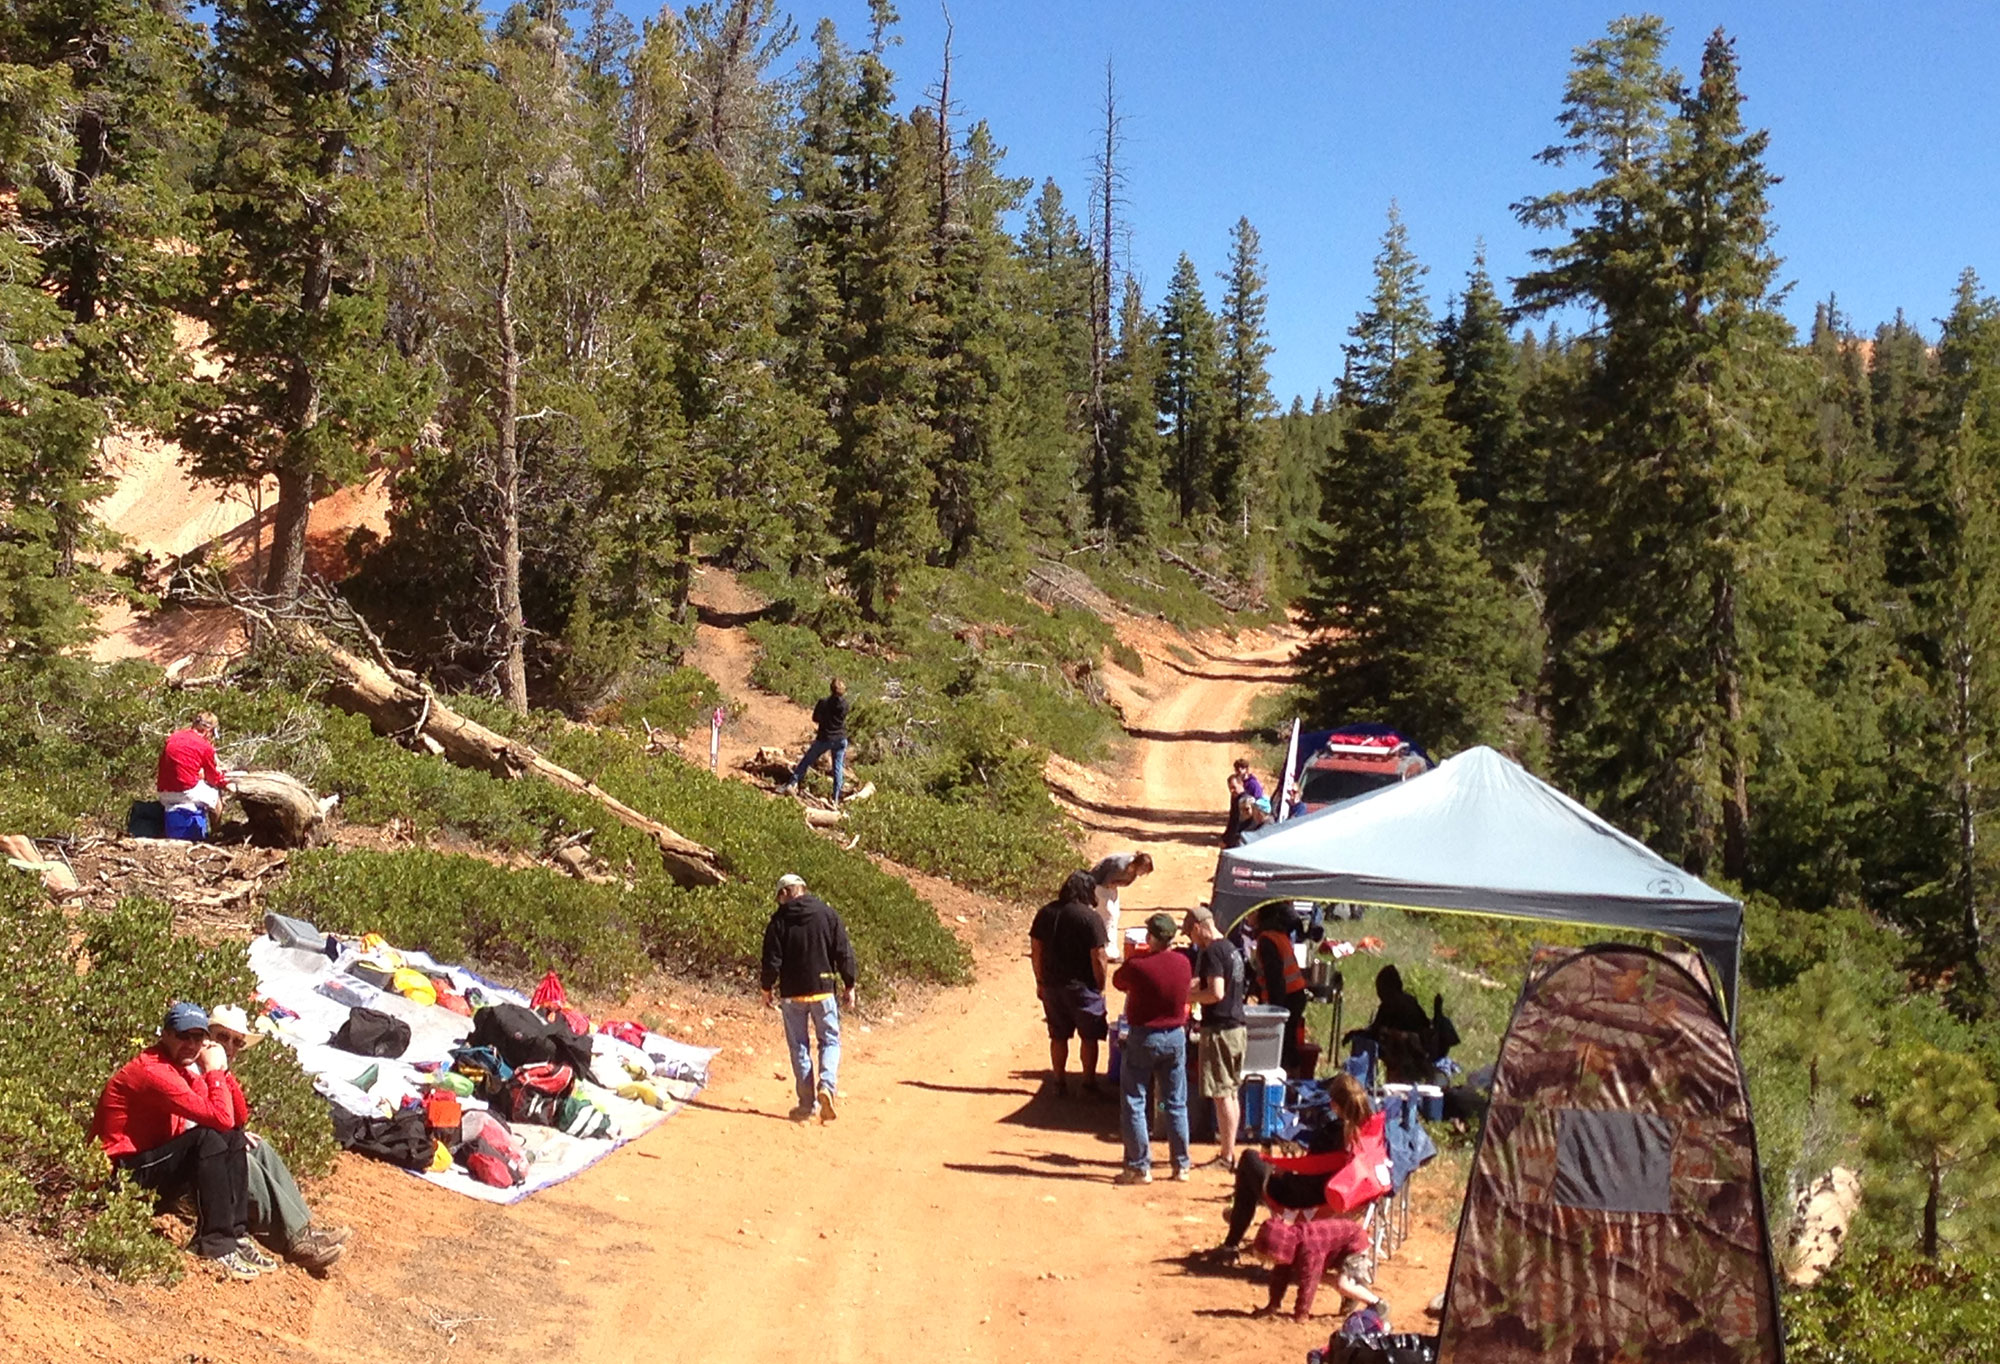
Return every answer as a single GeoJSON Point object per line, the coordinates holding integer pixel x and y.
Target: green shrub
{"type": "Point", "coordinates": [465, 909]}
{"type": "Point", "coordinates": [1013, 855]}
{"type": "Point", "coordinates": [80, 999]}
{"type": "Point", "coordinates": [675, 700]}
{"type": "Point", "coordinates": [1128, 658]}
{"type": "Point", "coordinates": [1895, 1310]}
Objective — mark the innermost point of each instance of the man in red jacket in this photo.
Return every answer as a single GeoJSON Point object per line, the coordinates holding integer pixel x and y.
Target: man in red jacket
{"type": "Point", "coordinates": [190, 781]}
{"type": "Point", "coordinates": [167, 1121]}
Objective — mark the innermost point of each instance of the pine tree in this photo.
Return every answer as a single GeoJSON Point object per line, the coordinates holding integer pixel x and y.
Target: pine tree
{"type": "Point", "coordinates": [1136, 499]}
{"type": "Point", "coordinates": [1945, 563]}
{"type": "Point", "coordinates": [48, 435]}
{"type": "Point", "coordinates": [1408, 626]}
{"type": "Point", "coordinates": [1189, 398]}
{"type": "Point", "coordinates": [1055, 378]}
{"type": "Point", "coordinates": [1676, 482]}
{"type": "Point", "coordinates": [308, 383]}
{"type": "Point", "coordinates": [1243, 473]}
{"type": "Point", "coordinates": [1482, 368]}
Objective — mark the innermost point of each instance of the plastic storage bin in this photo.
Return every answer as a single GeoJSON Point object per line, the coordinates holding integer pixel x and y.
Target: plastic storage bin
{"type": "Point", "coordinates": [1264, 1048]}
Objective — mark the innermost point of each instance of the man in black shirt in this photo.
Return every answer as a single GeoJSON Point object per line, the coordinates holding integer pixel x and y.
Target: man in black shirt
{"type": "Point", "coordinates": [1066, 944]}
{"type": "Point", "coordinates": [1218, 988]}
{"type": "Point", "coordinates": [830, 720]}
{"type": "Point", "coordinates": [808, 969]}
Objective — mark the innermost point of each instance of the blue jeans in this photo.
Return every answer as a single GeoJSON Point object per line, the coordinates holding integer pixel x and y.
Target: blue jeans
{"type": "Point", "coordinates": [837, 747]}
{"type": "Point", "coordinates": [823, 1018]}
{"type": "Point", "coordinates": [1153, 1056]}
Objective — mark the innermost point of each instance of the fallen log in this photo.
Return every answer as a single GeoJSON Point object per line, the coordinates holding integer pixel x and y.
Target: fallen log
{"type": "Point", "coordinates": [397, 704]}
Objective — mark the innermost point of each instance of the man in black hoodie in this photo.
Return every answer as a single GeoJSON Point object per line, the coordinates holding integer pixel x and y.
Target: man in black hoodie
{"type": "Point", "coordinates": [830, 736]}
{"type": "Point", "coordinates": [808, 968]}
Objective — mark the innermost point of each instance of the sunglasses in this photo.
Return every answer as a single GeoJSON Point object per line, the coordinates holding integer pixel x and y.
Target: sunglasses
{"type": "Point", "coordinates": [193, 1035]}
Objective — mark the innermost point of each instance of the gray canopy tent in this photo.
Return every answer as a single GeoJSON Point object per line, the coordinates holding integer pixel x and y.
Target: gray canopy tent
{"type": "Point", "coordinates": [1479, 835]}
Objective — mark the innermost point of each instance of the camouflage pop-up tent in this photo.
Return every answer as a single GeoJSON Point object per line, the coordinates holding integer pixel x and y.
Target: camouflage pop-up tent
{"type": "Point", "coordinates": [1614, 1214]}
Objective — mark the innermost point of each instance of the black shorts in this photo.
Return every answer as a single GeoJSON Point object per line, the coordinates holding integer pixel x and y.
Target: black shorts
{"type": "Point", "coordinates": [1074, 1009]}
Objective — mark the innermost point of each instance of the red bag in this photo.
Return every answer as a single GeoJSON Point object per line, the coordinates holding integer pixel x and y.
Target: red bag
{"type": "Point", "coordinates": [535, 1093]}
{"type": "Point", "coordinates": [491, 1153]}
{"type": "Point", "coordinates": [1366, 1175]}
{"type": "Point", "coordinates": [443, 1116]}
{"type": "Point", "coordinates": [625, 1031]}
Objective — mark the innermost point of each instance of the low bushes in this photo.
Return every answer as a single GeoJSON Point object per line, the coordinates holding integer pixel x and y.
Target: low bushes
{"type": "Point", "coordinates": [1896, 1309]}
{"type": "Point", "coordinates": [80, 999]}
{"type": "Point", "coordinates": [1005, 854]}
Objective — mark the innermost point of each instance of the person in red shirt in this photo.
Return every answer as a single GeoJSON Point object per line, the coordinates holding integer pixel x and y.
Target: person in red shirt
{"type": "Point", "coordinates": [1299, 1248]}
{"type": "Point", "coordinates": [1156, 985]}
{"type": "Point", "coordinates": [167, 1122]}
{"type": "Point", "coordinates": [189, 780]}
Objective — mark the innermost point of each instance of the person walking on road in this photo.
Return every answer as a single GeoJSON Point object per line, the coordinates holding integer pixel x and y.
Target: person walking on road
{"type": "Point", "coordinates": [1066, 946]}
{"type": "Point", "coordinates": [1112, 876]}
{"type": "Point", "coordinates": [1156, 985]}
{"type": "Point", "coordinates": [808, 970]}
{"type": "Point", "coordinates": [830, 721]}
{"type": "Point", "coordinates": [1218, 988]}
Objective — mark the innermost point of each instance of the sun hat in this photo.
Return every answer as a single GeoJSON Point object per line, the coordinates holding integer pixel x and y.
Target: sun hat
{"type": "Point", "coordinates": [185, 1017]}
{"type": "Point", "coordinates": [229, 1018]}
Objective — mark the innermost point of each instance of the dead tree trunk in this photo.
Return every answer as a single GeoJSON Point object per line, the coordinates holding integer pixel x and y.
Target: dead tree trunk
{"type": "Point", "coordinates": [400, 705]}
{"type": "Point", "coordinates": [507, 473]}
{"type": "Point", "coordinates": [283, 811]}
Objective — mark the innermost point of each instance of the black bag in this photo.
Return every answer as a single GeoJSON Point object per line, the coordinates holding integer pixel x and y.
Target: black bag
{"type": "Point", "coordinates": [522, 1037]}
{"type": "Point", "coordinates": [370, 1032]}
{"type": "Point", "coordinates": [146, 819]}
{"type": "Point", "coordinates": [1378, 1347]}
{"type": "Point", "coordinates": [403, 1141]}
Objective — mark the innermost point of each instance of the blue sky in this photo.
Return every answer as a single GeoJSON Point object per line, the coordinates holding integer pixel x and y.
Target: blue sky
{"type": "Point", "coordinates": [1310, 117]}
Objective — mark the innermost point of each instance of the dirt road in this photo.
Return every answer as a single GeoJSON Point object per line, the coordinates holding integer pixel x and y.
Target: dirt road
{"type": "Point", "coordinates": [953, 1211]}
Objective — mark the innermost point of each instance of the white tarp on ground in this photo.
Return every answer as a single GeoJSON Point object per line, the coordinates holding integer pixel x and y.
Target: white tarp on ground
{"type": "Point", "coordinates": [1479, 834]}
{"type": "Point", "coordinates": [291, 977]}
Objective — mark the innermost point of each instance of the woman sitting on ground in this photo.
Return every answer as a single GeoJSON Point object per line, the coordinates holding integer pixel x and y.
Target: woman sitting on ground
{"type": "Point", "coordinates": [1299, 1182]}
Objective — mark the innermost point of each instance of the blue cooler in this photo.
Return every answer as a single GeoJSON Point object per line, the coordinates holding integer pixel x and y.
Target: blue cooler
{"type": "Point", "coordinates": [1263, 1105]}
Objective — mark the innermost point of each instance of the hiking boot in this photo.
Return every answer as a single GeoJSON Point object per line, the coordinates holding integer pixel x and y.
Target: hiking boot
{"type": "Point", "coordinates": [802, 1113]}
{"type": "Point", "coordinates": [315, 1254]}
{"type": "Point", "coordinates": [1128, 1175]}
{"type": "Point", "coordinates": [235, 1266]}
{"type": "Point", "coordinates": [332, 1236]}
{"type": "Point", "coordinates": [827, 1112]}
{"type": "Point", "coordinates": [255, 1254]}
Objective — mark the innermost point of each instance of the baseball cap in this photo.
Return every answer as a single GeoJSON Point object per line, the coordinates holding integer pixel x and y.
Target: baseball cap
{"type": "Point", "coordinates": [789, 879]}
{"type": "Point", "coordinates": [1161, 928]}
{"type": "Point", "coordinates": [185, 1017]}
{"type": "Point", "coordinates": [1200, 914]}
{"type": "Point", "coordinates": [229, 1018]}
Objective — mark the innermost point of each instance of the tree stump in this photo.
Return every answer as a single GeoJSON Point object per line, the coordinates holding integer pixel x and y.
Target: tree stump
{"type": "Point", "coordinates": [283, 811]}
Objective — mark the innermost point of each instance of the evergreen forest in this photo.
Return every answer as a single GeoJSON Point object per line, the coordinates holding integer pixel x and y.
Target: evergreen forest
{"type": "Point", "coordinates": [611, 303]}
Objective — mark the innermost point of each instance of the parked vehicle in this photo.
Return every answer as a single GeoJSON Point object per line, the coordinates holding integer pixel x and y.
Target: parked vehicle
{"type": "Point", "coordinates": [1339, 764]}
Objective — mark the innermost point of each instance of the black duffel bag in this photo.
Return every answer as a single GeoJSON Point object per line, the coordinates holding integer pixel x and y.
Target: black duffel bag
{"type": "Point", "coordinates": [523, 1037]}
{"type": "Point", "coordinates": [370, 1032]}
{"type": "Point", "coordinates": [403, 1141]}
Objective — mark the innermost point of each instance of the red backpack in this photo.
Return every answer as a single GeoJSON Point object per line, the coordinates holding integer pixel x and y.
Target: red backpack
{"type": "Point", "coordinates": [534, 1093]}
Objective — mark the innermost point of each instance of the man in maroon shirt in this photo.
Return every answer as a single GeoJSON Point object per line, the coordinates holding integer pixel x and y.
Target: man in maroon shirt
{"type": "Point", "coordinates": [167, 1121]}
{"type": "Point", "coordinates": [1156, 984]}
{"type": "Point", "coordinates": [189, 779]}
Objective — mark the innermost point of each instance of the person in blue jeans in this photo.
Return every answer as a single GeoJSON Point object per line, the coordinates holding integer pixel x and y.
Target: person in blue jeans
{"type": "Point", "coordinates": [808, 969]}
{"type": "Point", "coordinates": [830, 736]}
{"type": "Point", "coordinates": [1156, 981]}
